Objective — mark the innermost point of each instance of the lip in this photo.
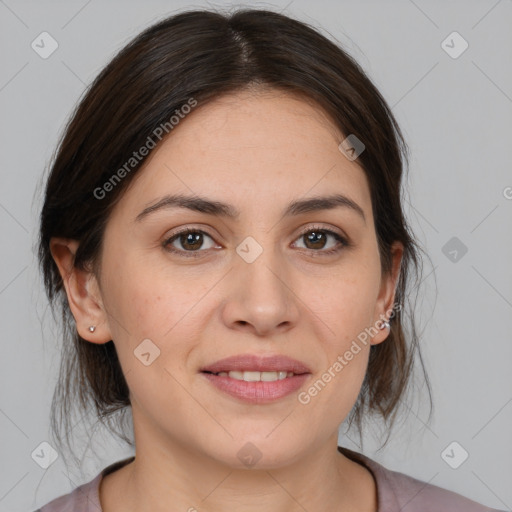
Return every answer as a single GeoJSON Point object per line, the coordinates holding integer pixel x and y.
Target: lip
{"type": "Point", "coordinates": [248, 362]}
{"type": "Point", "coordinates": [257, 392]}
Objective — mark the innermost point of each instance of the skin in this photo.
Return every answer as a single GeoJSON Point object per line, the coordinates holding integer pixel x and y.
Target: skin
{"type": "Point", "coordinates": [257, 151]}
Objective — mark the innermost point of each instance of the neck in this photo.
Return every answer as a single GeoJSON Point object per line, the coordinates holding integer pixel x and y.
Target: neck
{"type": "Point", "coordinates": [168, 476]}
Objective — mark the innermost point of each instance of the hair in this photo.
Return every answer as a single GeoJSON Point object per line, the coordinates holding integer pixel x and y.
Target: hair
{"type": "Point", "coordinates": [202, 55]}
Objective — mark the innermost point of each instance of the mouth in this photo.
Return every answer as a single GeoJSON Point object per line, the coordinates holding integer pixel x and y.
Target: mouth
{"type": "Point", "coordinates": [252, 364]}
{"type": "Point", "coordinates": [255, 376]}
{"type": "Point", "coordinates": [257, 379]}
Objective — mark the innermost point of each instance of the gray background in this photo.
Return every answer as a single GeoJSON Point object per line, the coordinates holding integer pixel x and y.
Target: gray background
{"type": "Point", "coordinates": [456, 115]}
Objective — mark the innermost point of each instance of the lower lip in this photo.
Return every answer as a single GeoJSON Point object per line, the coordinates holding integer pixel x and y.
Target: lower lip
{"type": "Point", "coordinates": [257, 392]}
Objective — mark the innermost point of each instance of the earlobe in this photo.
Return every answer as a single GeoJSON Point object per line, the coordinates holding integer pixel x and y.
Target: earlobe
{"type": "Point", "coordinates": [82, 292]}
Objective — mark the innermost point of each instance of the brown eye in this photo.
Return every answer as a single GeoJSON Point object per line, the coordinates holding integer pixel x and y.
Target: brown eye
{"type": "Point", "coordinates": [191, 241]}
{"type": "Point", "coordinates": [315, 239]}
{"type": "Point", "coordinates": [318, 240]}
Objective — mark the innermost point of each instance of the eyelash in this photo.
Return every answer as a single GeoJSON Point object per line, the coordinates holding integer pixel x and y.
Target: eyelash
{"type": "Point", "coordinates": [343, 242]}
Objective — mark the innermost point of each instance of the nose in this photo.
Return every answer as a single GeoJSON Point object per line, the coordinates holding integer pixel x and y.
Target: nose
{"type": "Point", "coordinates": [260, 296]}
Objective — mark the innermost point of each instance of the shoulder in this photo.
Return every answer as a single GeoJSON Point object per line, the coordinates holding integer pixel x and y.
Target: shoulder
{"type": "Point", "coordinates": [84, 498]}
{"type": "Point", "coordinates": [412, 495]}
{"type": "Point", "coordinates": [399, 492]}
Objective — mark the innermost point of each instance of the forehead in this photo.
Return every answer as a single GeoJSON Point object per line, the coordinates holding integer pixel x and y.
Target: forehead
{"type": "Point", "coordinates": [249, 149]}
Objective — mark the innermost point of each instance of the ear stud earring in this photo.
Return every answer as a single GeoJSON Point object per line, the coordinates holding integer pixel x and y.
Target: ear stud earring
{"type": "Point", "coordinates": [385, 325]}
{"type": "Point", "coordinates": [92, 328]}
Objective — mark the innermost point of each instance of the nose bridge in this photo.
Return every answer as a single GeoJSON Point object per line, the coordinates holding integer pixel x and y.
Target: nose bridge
{"type": "Point", "coordinates": [259, 266]}
{"type": "Point", "coordinates": [260, 295]}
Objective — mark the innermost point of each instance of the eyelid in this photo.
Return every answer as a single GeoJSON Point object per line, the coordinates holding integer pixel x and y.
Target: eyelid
{"type": "Point", "coordinates": [319, 227]}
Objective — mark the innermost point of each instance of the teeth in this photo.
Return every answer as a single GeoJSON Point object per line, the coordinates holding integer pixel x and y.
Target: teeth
{"type": "Point", "coordinates": [256, 376]}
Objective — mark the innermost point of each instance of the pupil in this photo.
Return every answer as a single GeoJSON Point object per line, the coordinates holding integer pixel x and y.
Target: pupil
{"type": "Point", "coordinates": [315, 238]}
{"type": "Point", "coordinates": [192, 238]}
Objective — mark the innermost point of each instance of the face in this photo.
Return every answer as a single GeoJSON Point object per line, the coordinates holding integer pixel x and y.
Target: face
{"type": "Point", "coordinates": [181, 288]}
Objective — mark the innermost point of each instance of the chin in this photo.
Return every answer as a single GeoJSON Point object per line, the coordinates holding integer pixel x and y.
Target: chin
{"type": "Point", "coordinates": [260, 451]}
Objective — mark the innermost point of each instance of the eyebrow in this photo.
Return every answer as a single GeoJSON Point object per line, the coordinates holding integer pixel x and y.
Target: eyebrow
{"type": "Point", "coordinates": [212, 207]}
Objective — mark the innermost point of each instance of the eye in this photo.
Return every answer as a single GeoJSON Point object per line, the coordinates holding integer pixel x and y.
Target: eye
{"type": "Point", "coordinates": [316, 239]}
{"type": "Point", "coordinates": [188, 241]}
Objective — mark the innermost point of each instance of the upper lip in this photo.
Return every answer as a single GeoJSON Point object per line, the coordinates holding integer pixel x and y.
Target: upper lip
{"type": "Point", "coordinates": [248, 362]}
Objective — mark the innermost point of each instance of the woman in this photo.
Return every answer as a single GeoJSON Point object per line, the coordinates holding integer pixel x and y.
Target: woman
{"type": "Point", "coordinates": [223, 228]}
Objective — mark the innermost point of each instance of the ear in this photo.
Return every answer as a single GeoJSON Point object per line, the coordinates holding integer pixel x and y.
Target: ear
{"type": "Point", "coordinates": [83, 292]}
{"type": "Point", "coordinates": [386, 300]}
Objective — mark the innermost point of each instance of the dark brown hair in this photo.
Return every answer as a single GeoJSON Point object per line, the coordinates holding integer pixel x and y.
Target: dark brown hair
{"type": "Point", "coordinates": [202, 55]}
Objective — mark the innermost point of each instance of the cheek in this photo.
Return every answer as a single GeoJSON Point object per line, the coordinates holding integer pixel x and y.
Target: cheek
{"type": "Point", "coordinates": [343, 308]}
{"type": "Point", "coordinates": [152, 318]}
{"type": "Point", "coordinates": [147, 302]}
{"type": "Point", "coordinates": [145, 297]}
{"type": "Point", "coordinates": [343, 313]}
{"type": "Point", "coordinates": [345, 302]}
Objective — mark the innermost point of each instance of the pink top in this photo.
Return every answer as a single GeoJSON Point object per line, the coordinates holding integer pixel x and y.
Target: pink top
{"type": "Point", "coordinates": [396, 492]}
